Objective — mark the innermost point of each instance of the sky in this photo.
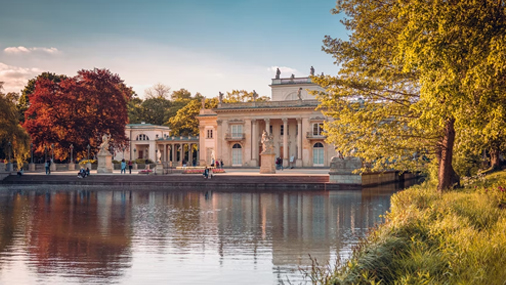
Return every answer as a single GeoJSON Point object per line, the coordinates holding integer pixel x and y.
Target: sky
{"type": "Point", "coordinates": [205, 46]}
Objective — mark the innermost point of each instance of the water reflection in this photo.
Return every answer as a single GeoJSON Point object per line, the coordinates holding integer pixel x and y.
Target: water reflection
{"type": "Point", "coordinates": [96, 235]}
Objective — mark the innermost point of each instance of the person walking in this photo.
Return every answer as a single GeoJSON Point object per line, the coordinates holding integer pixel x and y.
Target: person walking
{"type": "Point", "coordinates": [130, 164]}
{"type": "Point", "coordinates": [123, 166]}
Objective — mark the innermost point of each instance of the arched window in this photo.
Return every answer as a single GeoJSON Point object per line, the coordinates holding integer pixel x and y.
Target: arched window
{"type": "Point", "coordinates": [318, 154]}
{"type": "Point", "coordinates": [142, 137]}
{"type": "Point", "coordinates": [237, 155]}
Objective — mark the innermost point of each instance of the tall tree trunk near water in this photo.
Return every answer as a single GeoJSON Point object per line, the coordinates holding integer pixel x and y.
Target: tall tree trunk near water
{"type": "Point", "coordinates": [446, 175]}
{"type": "Point", "coordinates": [494, 159]}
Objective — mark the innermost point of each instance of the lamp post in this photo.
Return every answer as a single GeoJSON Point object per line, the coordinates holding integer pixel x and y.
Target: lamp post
{"type": "Point", "coordinates": [53, 165]}
{"type": "Point", "coordinates": [124, 148]}
{"type": "Point", "coordinates": [31, 166]}
{"type": "Point", "coordinates": [72, 166]}
{"type": "Point", "coordinates": [88, 157]}
{"type": "Point", "coordinates": [135, 153]}
{"type": "Point", "coordinates": [9, 163]}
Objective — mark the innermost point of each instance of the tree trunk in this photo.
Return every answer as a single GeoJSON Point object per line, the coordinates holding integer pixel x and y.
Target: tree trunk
{"type": "Point", "coordinates": [447, 176]}
{"type": "Point", "coordinates": [494, 159]}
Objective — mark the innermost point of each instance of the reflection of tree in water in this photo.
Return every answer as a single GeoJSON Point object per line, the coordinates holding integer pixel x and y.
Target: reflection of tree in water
{"type": "Point", "coordinates": [68, 236]}
{"type": "Point", "coordinates": [7, 224]}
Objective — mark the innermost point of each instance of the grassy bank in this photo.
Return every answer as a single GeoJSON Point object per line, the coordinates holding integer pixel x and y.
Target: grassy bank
{"type": "Point", "coordinates": [458, 237]}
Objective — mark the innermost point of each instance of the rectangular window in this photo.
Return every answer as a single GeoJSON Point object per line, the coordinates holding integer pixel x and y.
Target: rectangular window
{"type": "Point", "coordinates": [317, 129]}
{"type": "Point", "coordinates": [209, 134]}
{"type": "Point", "coordinates": [236, 131]}
{"type": "Point", "coordinates": [270, 129]}
{"type": "Point", "coordinates": [281, 130]}
{"type": "Point", "coordinates": [297, 130]}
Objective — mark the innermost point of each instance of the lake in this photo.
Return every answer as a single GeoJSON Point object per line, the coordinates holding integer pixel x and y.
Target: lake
{"type": "Point", "coordinates": [106, 235]}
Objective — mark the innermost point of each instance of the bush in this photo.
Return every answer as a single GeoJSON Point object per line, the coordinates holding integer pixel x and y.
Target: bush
{"type": "Point", "coordinates": [85, 161]}
{"type": "Point", "coordinates": [143, 161]}
{"type": "Point", "coordinates": [457, 237]}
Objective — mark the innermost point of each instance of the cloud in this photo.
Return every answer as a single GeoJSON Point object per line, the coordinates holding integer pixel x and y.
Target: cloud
{"type": "Point", "coordinates": [15, 78]}
{"type": "Point", "coordinates": [285, 71]}
{"type": "Point", "coordinates": [25, 50]}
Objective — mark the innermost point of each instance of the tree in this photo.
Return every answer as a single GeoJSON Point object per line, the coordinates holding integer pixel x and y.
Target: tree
{"type": "Point", "coordinates": [412, 75]}
{"type": "Point", "coordinates": [185, 122]}
{"type": "Point", "coordinates": [157, 91]}
{"type": "Point", "coordinates": [12, 132]}
{"type": "Point", "coordinates": [78, 111]}
{"type": "Point", "coordinates": [24, 101]}
{"type": "Point", "coordinates": [243, 96]}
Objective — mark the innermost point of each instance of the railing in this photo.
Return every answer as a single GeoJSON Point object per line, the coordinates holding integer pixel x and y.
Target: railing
{"type": "Point", "coordinates": [270, 104]}
{"type": "Point", "coordinates": [311, 136]}
{"type": "Point", "coordinates": [295, 80]}
{"type": "Point", "coordinates": [235, 137]}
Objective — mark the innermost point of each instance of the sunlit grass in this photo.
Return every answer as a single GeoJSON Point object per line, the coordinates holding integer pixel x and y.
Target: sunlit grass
{"type": "Point", "coordinates": [458, 237]}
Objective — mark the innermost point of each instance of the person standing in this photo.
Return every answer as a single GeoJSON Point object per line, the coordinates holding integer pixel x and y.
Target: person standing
{"type": "Point", "coordinates": [217, 164]}
{"type": "Point", "coordinates": [123, 166]}
{"type": "Point", "coordinates": [130, 166]}
{"type": "Point", "coordinates": [48, 167]}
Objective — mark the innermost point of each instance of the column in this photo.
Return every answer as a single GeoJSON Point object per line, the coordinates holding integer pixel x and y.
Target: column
{"type": "Point", "coordinates": [173, 151]}
{"type": "Point", "coordinates": [298, 163]}
{"type": "Point", "coordinates": [254, 143]}
{"type": "Point", "coordinates": [267, 125]}
{"type": "Point", "coordinates": [285, 142]}
{"type": "Point", "coordinates": [190, 158]}
{"type": "Point", "coordinates": [201, 159]}
{"type": "Point", "coordinates": [219, 139]}
{"type": "Point", "coordinates": [181, 154]}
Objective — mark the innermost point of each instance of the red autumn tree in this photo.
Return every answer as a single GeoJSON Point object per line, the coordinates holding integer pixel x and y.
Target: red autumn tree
{"type": "Point", "coordinates": [78, 111]}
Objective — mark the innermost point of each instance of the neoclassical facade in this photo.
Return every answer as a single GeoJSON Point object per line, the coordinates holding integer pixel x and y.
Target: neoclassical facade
{"type": "Point", "coordinates": [232, 132]}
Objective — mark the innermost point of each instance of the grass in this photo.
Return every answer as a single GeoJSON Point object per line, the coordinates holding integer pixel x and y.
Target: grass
{"type": "Point", "coordinates": [458, 237]}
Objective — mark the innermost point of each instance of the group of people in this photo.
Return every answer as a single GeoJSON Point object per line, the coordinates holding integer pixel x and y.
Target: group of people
{"type": "Point", "coordinates": [217, 163]}
{"type": "Point", "coordinates": [124, 165]}
{"type": "Point", "coordinates": [208, 173]}
{"type": "Point", "coordinates": [83, 173]}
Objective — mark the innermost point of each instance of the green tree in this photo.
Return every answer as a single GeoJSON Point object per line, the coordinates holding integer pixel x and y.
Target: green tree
{"type": "Point", "coordinates": [235, 96]}
{"type": "Point", "coordinates": [412, 75]}
{"type": "Point", "coordinates": [185, 121]}
{"type": "Point", "coordinates": [11, 131]}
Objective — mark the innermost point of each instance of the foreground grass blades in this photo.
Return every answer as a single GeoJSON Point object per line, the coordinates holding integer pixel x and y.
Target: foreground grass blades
{"type": "Point", "coordinates": [458, 237]}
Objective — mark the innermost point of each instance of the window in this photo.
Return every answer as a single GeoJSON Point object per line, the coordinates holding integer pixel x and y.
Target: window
{"type": "Point", "coordinates": [236, 131]}
{"type": "Point", "coordinates": [297, 130]}
{"type": "Point", "coordinates": [209, 134]}
{"type": "Point", "coordinates": [237, 155]}
{"type": "Point", "coordinates": [318, 154]}
{"type": "Point", "coordinates": [281, 130]}
{"type": "Point", "coordinates": [142, 137]}
{"type": "Point", "coordinates": [270, 130]}
{"type": "Point", "coordinates": [317, 129]}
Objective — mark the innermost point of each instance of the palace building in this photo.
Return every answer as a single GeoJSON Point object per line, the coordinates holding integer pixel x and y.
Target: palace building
{"type": "Point", "coordinates": [232, 132]}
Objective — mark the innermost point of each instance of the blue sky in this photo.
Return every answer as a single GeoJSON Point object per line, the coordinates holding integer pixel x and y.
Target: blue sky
{"type": "Point", "coordinates": [203, 46]}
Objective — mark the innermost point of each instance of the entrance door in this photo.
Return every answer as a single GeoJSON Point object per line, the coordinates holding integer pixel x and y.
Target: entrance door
{"type": "Point", "coordinates": [318, 154]}
{"type": "Point", "coordinates": [237, 155]}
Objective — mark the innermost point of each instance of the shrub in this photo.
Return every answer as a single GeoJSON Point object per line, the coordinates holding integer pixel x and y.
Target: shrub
{"type": "Point", "coordinates": [85, 161]}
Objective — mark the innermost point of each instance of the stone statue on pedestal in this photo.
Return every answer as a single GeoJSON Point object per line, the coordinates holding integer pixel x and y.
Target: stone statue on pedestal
{"type": "Point", "coordinates": [311, 71]}
{"type": "Point", "coordinates": [278, 73]}
{"type": "Point", "coordinates": [104, 157]}
{"type": "Point", "coordinates": [220, 97]}
{"type": "Point", "coordinates": [268, 165]}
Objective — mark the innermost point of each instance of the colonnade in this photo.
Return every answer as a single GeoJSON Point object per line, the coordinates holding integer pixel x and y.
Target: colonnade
{"type": "Point", "coordinates": [170, 152]}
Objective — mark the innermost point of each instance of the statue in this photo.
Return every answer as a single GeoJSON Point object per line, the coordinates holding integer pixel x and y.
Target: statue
{"type": "Point", "coordinates": [220, 97]}
{"type": "Point", "coordinates": [255, 95]}
{"type": "Point", "coordinates": [299, 95]}
{"type": "Point", "coordinates": [203, 103]}
{"type": "Point", "coordinates": [267, 143]}
{"type": "Point", "coordinates": [278, 73]}
{"type": "Point", "coordinates": [311, 71]}
{"type": "Point", "coordinates": [104, 146]}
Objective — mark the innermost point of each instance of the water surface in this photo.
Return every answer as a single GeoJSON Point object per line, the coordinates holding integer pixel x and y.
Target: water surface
{"type": "Point", "coordinates": [102, 235]}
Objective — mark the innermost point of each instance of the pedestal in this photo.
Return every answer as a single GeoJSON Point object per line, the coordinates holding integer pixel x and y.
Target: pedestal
{"type": "Point", "coordinates": [341, 170]}
{"type": "Point", "coordinates": [135, 166]}
{"type": "Point", "coordinates": [104, 163]}
{"type": "Point", "coordinates": [52, 167]}
{"type": "Point", "coordinates": [9, 167]}
{"type": "Point", "coordinates": [88, 165]}
{"type": "Point", "coordinates": [268, 164]}
{"type": "Point", "coordinates": [72, 166]}
{"type": "Point", "coordinates": [31, 167]}
{"type": "Point", "coordinates": [159, 168]}
{"type": "Point", "coordinates": [298, 162]}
